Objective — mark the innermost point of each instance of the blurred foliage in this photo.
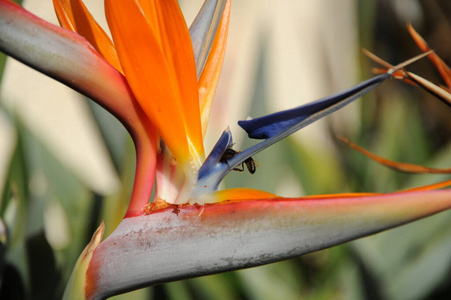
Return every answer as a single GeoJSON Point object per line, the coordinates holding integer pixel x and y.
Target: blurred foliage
{"type": "Point", "coordinates": [398, 121]}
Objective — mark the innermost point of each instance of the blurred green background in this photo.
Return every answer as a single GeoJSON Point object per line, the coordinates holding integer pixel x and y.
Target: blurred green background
{"type": "Point", "coordinates": [65, 164]}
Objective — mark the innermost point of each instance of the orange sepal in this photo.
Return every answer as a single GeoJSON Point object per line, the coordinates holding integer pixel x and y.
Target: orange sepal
{"type": "Point", "coordinates": [177, 46]}
{"type": "Point", "coordinates": [429, 187]}
{"type": "Point", "coordinates": [441, 92]}
{"type": "Point", "coordinates": [209, 78]}
{"type": "Point", "coordinates": [443, 68]}
{"type": "Point", "coordinates": [154, 73]}
{"type": "Point", "coordinates": [399, 166]}
{"type": "Point", "coordinates": [169, 26]}
{"type": "Point", "coordinates": [237, 194]}
{"type": "Point", "coordinates": [73, 15]}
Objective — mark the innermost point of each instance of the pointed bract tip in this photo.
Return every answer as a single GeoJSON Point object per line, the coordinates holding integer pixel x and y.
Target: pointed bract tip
{"type": "Point", "coordinates": [78, 286]}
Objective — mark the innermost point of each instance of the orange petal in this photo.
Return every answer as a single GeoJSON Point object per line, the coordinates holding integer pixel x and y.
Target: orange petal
{"type": "Point", "coordinates": [239, 194]}
{"type": "Point", "coordinates": [160, 72]}
{"type": "Point", "coordinates": [209, 78]}
{"type": "Point", "coordinates": [73, 15]}
{"type": "Point", "coordinates": [178, 48]}
{"type": "Point", "coordinates": [429, 187]}
{"type": "Point", "coordinates": [242, 194]}
{"type": "Point", "coordinates": [234, 194]}
{"type": "Point", "coordinates": [403, 167]}
{"type": "Point", "coordinates": [168, 24]}
{"type": "Point", "coordinates": [443, 68]}
{"type": "Point", "coordinates": [441, 92]}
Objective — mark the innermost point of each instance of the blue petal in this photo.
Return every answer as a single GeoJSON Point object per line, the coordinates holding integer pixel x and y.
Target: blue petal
{"type": "Point", "coordinates": [273, 128]}
{"type": "Point", "coordinates": [296, 118]}
{"type": "Point", "coordinates": [213, 170]}
{"type": "Point", "coordinates": [224, 142]}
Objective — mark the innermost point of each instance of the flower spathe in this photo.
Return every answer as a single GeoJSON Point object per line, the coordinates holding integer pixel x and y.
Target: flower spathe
{"type": "Point", "coordinates": [241, 234]}
{"type": "Point", "coordinates": [147, 78]}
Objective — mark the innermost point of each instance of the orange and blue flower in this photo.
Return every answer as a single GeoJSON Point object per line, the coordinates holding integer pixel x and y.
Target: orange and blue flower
{"type": "Point", "coordinates": [159, 78]}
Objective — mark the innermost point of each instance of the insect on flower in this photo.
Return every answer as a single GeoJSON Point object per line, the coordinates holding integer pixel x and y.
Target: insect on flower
{"type": "Point", "coordinates": [249, 162]}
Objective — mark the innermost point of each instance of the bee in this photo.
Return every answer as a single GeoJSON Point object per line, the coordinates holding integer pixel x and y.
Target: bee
{"type": "Point", "coordinates": [249, 162]}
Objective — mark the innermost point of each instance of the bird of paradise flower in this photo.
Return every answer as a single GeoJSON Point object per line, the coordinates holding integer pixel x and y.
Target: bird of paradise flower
{"type": "Point", "coordinates": [158, 78]}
